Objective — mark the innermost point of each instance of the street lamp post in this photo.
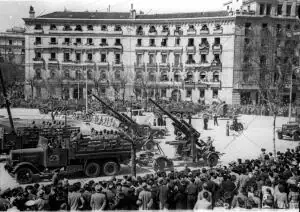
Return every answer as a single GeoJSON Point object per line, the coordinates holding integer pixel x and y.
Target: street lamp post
{"type": "Point", "coordinates": [131, 99]}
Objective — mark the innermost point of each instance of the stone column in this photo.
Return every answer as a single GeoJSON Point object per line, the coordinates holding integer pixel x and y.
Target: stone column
{"type": "Point", "coordinates": [293, 9]}
{"type": "Point", "coordinates": [273, 10]}
{"type": "Point", "coordinates": [265, 9]}
{"type": "Point", "coordinates": [284, 8]}
{"type": "Point", "coordinates": [257, 9]}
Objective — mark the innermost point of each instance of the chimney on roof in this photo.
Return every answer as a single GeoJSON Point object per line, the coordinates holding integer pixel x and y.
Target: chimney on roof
{"type": "Point", "coordinates": [132, 12]}
{"type": "Point", "coordinates": [108, 9]}
{"type": "Point", "coordinates": [31, 12]}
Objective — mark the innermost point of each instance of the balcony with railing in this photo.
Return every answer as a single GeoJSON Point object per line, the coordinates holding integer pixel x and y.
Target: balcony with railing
{"type": "Point", "coordinates": [215, 83]}
{"type": "Point", "coordinates": [178, 32]}
{"type": "Point", "coordinates": [152, 32]}
{"type": "Point", "coordinates": [117, 63]}
{"type": "Point", "coordinates": [191, 31]}
{"type": "Point", "coordinates": [204, 63]}
{"type": "Point", "coordinates": [216, 65]}
{"type": "Point", "coordinates": [53, 43]}
{"type": "Point", "coordinates": [37, 59]}
{"type": "Point", "coordinates": [191, 49]}
{"type": "Point", "coordinates": [217, 49]}
{"type": "Point", "coordinates": [67, 43]}
{"type": "Point", "coordinates": [139, 65]}
{"type": "Point", "coordinates": [204, 30]}
{"type": "Point", "coordinates": [67, 60]}
{"type": "Point", "coordinates": [165, 32]}
{"type": "Point", "coordinates": [53, 60]}
{"type": "Point", "coordinates": [140, 33]}
{"type": "Point", "coordinates": [37, 43]}
{"type": "Point", "coordinates": [151, 65]}
{"type": "Point", "coordinates": [191, 63]}
{"type": "Point", "coordinates": [204, 48]}
{"type": "Point", "coordinates": [218, 30]}
{"type": "Point", "coordinates": [177, 65]}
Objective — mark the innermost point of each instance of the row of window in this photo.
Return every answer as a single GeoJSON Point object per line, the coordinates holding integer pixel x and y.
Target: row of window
{"type": "Point", "coordinates": [68, 41]}
{"type": "Point", "coordinates": [15, 42]}
{"type": "Point", "coordinates": [266, 9]}
{"type": "Point", "coordinates": [164, 42]}
{"type": "Point", "coordinates": [177, 59]}
{"type": "Point", "coordinates": [79, 57]}
{"type": "Point", "coordinates": [77, 94]}
{"type": "Point", "coordinates": [139, 31]}
{"type": "Point", "coordinates": [264, 26]}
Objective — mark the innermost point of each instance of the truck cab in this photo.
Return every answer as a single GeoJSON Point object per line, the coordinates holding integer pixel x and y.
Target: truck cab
{"type": "Point", "coordinates": [291, 129]}
{"type": "Point", "coordinates": [25, 163]}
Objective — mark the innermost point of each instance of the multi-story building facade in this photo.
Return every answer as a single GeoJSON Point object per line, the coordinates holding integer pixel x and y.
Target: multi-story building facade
{"type": "Point", "coordinates": [12, 53]}
{"type": "Point", "coordinates": [254, 20]}
{"type": "Point", "coordinates": [187, 56]}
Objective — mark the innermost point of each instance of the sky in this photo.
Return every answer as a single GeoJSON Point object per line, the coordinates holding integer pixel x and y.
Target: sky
{"type": "Point", "coordinates": [12, 11]}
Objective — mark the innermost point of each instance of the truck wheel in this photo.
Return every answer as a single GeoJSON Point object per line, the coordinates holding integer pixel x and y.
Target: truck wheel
{"type": "Point", "coordinates": [24, 175]}
{"type": "Point", "coordinates": [178, 115]}
{"type": "Point", "coordinates": [160, 164]}
{"type": "Point", "coordinates": [296, 136]}
{"type": "Point", "coordinates": [279, 135]}
{"type": "Point", "coordinates": [212, 159]}
{"type": "Point", "coordinates": [92, 169]}
{"type": "Point", "coordinates": [110, 168]}
{"type": "Point", "coordinates": [184, 116]}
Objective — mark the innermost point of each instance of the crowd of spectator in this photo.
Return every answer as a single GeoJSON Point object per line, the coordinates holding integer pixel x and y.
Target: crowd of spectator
{"type": "Point", "coordinates": [51, 197]}
{"type": "Point", "coordinates": [265, 183]}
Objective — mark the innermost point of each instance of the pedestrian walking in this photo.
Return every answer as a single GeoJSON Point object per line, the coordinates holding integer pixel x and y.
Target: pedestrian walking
{"type": "Point", "coordinates": [216, 120]}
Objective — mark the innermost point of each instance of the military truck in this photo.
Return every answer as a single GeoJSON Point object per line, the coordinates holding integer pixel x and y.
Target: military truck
{"type": "Point", "coordinates": [291, 130]}
{"type": "Point", "coordinates": [93, 157]}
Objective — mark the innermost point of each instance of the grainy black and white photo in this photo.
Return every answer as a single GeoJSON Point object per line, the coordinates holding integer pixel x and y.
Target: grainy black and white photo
{"type": "Point", "coordinates": [109, 105]}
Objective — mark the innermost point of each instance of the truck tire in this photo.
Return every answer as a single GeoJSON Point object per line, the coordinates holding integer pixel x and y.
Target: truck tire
{"type": "Point", "coordinates": [24, 175]}
{"type": "Point", "coordinates": [110, 168]}
{"type": "Point", "coordinates": [212, 159]}
{"type": "Point", "coordinates": [296, 136]}
{"type": "Point", "coordinates": [279, 134]}
{"type": "Point", "coordinates": [92, 169]}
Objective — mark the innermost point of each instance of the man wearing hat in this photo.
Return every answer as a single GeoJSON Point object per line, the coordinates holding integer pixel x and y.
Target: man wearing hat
{"type": "Point", "coordinates": [145, 200]}
{"type": "Point", "coordinates": [98, 199]}
{"type": "Point", "coordinates": [262, 155]}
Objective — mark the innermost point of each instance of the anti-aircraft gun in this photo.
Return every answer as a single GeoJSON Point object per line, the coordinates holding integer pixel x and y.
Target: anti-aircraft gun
{"type": "Point", "coordinates": [145, 145]}
{"type": "Point", "coordinates": [205, 151]}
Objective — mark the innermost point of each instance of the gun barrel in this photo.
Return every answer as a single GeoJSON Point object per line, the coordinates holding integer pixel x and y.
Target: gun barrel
{"type": "Point", "coordinates": [117, 115]}
{"type": "Point", "coordinates": [166, 112]}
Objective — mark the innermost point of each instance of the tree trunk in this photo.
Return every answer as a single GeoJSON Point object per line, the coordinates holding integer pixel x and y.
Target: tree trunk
{"type": "Point", "coordinates": [133, 160]}
{"type": "Point", "coordinates": [274, 134]}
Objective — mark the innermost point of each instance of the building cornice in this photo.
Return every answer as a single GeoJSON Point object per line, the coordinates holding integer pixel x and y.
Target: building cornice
{"type": "Point", "coordinates": [29, 21]}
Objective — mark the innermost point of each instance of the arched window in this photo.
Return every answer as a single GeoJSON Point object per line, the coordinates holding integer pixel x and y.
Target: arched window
{"type": "Point", "coordinates": [164, 76]}
{"type": "Point", "coordinates": [118, 28]}
{"type": "Point", "coordinates": [78, 74]}
{"type": "Point", "coordinates": [67, 74]}
{"type": "Point", "coordinates": [78, 28]}
{"type": "Point", "coordinates": [152, 29]}
{"type": "Point", "coordinates": [38, 74]}
{"type": "Point", "coordinates": [204, 27]}
{"type": "Point", "coordinates": [190, 76]}
{"type": "Point", "coordinates": [216, 77]}
{"type": "Point", "coordinates": [67, 28]}
{"type": "Point", "coordinates": [117, 75]}
{"type": "Point", "coordinates": [53, 27]}
{"type": "Point", "coordinates": [89, 74]}
{"type": "Point", "coordinates": [177, 76]}
{"type": "Point", "coordinates": [90, 27]}
{"type": "Point", "coordinates": [191, 28]}
{"type": "Point", "coordinates": [152, 76]}
{"type": "Point", "coordinates": [202, 76]}
{"type": "Point", "coordinates": [139, 30]}
{"type": "Point", "coordinates": [102, 75]}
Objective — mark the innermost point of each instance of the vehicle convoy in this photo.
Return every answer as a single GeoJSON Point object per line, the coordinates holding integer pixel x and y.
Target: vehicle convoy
{"type": "Point", "coordinates": [93, 157]}
{"type": "Point", "coordinates": [146, 144]}
{"type": "Point", "coordinates": [192, 147]}
{"type": "Point", "coordinates": [291, 129]}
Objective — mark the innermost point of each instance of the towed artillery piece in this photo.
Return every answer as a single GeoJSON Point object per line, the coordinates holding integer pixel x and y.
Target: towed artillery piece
{"type": "Point", "coordinates": [193, 148]}
{"type": "Point", "coordinates": [148, 150]}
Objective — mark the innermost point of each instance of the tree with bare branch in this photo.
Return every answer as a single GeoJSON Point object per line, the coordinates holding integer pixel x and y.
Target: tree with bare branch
{"type": "Point", "coordinates": [269, 61]}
